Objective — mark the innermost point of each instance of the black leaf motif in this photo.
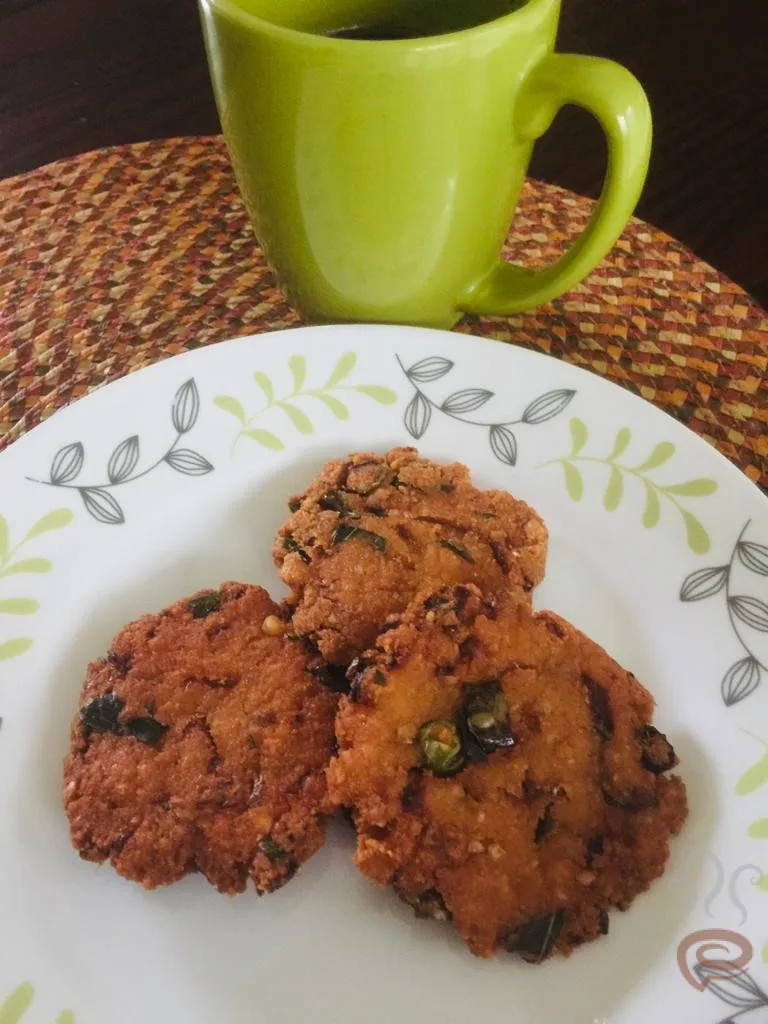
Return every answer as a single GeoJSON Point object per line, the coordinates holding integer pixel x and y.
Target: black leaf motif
{"type": "Point", "coordinates": [740, 681]}
{"type": "Point", "coordinates": [547, 406]}
{"type": "Point", "coordinates": [417, 415]}
{"type": "Point", "coordinates": [751, 611]}
{"type": "Point", "coordinates": [67, 463]}
{"type": "Point", "coordinates": [738, 990]}
{"type": "Point", "coordinates": [101, 505]}
{"type": "Point", "coordinates": [504, 444]}
{"type": "Point", "coordinates": [186, 407]}
{"type": "Point", "coordinates": [123, 459]}
{"type": "Point", "coordinates": [184, 460]}
{"type": "Point", "coordinates": [753, 556]}
{"type": "Point", "coordinates": [704, 583]}
{"type": "Point", "coordinates": [432, 368]}
{"type": "Point", "coordinates": [466, 401]}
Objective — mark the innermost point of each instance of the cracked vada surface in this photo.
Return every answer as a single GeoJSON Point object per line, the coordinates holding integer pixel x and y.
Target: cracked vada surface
{"type": "Point", "coordinates": [503, 772]}
{"type": "Point", "coordinates": [372, 530]}
{"type": "Point", "coordinates": [200, 745]}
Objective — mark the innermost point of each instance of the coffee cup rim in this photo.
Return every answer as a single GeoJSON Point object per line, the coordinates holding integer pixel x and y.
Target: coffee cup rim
{"type": "Point", "coordinates": [528, 10]}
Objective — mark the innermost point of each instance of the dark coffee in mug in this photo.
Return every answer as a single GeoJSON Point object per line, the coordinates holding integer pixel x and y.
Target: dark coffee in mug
{"type": "Point", "coordinates": [419, 18]}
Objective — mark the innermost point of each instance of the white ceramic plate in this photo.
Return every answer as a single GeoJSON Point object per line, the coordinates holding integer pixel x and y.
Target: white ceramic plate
{"type": "Point", "coordinates": [176, 478]}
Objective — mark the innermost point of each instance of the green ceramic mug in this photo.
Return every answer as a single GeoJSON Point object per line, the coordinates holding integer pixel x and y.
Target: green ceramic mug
{"type": "Point", "coordinates": [382, 176]}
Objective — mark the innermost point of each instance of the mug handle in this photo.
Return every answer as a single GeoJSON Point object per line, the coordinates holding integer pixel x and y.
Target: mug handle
{"type": "Point", "coordinates": [616, 98]}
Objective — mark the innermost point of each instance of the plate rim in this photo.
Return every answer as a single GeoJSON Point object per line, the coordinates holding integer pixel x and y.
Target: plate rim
{"type": "Point", "coordinates": [394, 329]}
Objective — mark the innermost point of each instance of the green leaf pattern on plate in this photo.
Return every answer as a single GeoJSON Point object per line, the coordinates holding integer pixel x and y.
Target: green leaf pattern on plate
{"type": "Point", "coordinates": [14, 1008]}
{"type": "Point", "coordinates": [754, 779]}
{"type": "Point", "coordinates": [15, 648]}
{"type": "Point", "coordinates": [620, 472]}
{"type": "Point", "coordinates": [292, 405]}
{"type": "Point", "coordinates": [18, 606]}
{"type": "Point", "coordinates": [10, 565]}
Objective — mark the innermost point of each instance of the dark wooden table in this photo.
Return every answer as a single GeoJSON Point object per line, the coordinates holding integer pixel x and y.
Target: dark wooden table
{"type": "Point", "coordinates": [78, 74]}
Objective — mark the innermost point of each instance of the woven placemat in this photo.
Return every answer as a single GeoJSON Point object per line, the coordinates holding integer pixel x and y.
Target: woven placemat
{"type": "Point", "coordinates": [117, 258]}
